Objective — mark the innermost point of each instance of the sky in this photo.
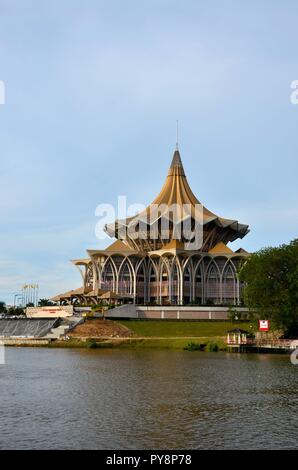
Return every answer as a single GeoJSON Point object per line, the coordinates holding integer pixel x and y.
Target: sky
{"type": "Point", "coordinates": [93, 90]}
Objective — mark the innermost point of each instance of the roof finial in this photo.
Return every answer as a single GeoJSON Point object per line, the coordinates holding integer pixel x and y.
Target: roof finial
{"type": "Point", "coordinates": [177, 133]}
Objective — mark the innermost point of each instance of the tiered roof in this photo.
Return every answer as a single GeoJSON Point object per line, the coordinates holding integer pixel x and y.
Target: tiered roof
{"type": "Point", "coordinates": [177, 193]}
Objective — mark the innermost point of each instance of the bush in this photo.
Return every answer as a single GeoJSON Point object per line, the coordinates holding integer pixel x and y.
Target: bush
{"type": "Point", "coordinates": [96, 307]}
{"type": "Point", "coordinates": [15, 311]}
{"type": "Point", "coordinates": [194, 347]}
{"type": "Point", "coordinates": [212, 347]}
{"type": "Point", "coordinates": [91, 344]}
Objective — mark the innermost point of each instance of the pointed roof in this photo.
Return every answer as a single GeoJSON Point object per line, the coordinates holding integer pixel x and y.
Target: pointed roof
{"type": "Point", "coordinates": [221, 248]}
{"type": "Point", "coordinates": [176, 165]}
{"type": "Point", "coordinates": [174, 246]}
{"type": "Point", "coordinates": [118, 247]}
{"type": "Point", "coordinates": [242, 251]}
{"type": "Point", "coordinates": [176, 191]}
{"type": "Point", "coordinates": [177, 195]}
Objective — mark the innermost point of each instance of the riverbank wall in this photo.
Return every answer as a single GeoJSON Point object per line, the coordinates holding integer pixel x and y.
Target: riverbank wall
{"type": "Point", "coordinates": [189, 312]}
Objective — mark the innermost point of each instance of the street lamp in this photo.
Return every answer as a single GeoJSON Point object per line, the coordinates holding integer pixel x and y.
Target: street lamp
{"type": "Point", "coordinates": [15, 296]}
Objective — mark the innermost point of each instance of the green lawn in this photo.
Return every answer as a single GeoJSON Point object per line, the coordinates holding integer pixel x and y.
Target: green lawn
{"type": "Point", "coordinates": [168, 328]}
{"type": "Point", "coordinates": [137, 343]}
{"type": "Point", "coordinates": [168, 343]}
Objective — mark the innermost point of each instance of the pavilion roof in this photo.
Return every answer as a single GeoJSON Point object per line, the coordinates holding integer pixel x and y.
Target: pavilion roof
{"type": "Point", "coordinates": [110, 295]}
{"type": "Point", "coordinates": [96, 292]}
{"type": "Point", "coordinates": [72, 293]}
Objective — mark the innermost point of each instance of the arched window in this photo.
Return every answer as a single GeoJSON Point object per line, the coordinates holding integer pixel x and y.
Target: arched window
{"type": "Point", "coordinates": [153, 287]}
{"type": "Point", "coordinates": [141, 284]}
{"type": "Point", "coordinates": [229, 283]}
{"type": "Point", "coordinates": [175, 284]}
{"type": "Point", "coordinates": [187, 284]}
{"type": "Point", "coordinates": [164, 283]}
{"type": "Point", "coordinates": [198, 284]}
{"type": "Point", "coordinates": [107, 277]}
{"type": "Point", "coordinates": [125, 283]}
{"type": "Point", "coordinates": [212, 284]}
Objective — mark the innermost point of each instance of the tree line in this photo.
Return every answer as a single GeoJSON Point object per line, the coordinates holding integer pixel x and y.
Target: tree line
{"type": "Point", "coordinates": [270, 277]}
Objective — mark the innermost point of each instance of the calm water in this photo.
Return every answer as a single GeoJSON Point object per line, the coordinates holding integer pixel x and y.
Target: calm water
{"type": "Point", "coordinates": [113, 399]}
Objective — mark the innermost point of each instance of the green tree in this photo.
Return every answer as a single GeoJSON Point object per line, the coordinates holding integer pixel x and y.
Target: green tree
{"type": "Point", "coordinates": [16, 311]}
{"type": "Point", "coordinates": [45, 303]}
{"type": "Point", "coordinates": [271, 285]}
{"type": "Point", "coordinates": [3, 307]}
{"type": "Point", "coordinates": [233, 315]}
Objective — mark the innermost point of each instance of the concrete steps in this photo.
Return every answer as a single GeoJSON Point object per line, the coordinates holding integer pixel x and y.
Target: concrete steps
{"type": "Point", "coordinates": [61, 330]}
{"type": "Point", "coordinates": [56, 333]}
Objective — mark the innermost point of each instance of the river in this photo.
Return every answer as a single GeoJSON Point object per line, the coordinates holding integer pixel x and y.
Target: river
{"type": "Point", "coordinates": [147, 399]}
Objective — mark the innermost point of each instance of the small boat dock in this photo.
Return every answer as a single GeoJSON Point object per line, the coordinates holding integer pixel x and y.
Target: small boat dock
{"type": "Point", "coordinates": [242, 341]}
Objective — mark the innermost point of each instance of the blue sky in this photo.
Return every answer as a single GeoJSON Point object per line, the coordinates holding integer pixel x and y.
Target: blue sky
{"type": "Point", "coordinates": [93, 91]}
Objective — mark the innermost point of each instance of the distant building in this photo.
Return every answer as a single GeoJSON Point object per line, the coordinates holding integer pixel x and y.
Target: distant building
{"type": "Point", "coordinates": [156, 266]}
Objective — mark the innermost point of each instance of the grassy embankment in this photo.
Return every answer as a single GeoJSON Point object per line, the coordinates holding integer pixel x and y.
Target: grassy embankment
{"type": "Point", "coordinates": [161, 334]}
{"type": "Point", "coordinates": [177, 334]}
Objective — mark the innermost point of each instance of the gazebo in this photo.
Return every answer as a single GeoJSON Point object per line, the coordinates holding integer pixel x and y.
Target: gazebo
{"type": "Point", "coordinates": [238, 337]}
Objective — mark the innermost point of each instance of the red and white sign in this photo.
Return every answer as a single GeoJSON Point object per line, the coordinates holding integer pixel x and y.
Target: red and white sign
{"type": "Point", "coordinates": [50, 312]}
{"type": "Point", "coordinates": [264, 325]}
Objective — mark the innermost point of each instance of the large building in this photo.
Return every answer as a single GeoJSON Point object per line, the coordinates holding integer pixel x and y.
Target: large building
{"type": "Point", "coordinates": [153, 262]}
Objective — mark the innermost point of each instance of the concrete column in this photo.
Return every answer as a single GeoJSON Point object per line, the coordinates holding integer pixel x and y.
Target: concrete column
{"type": "Point", "coordinates": [95, 278]}
{"type": "Point", "coordinates": [203, 283]}
{"type": "Point", "coordinates": [181, 288]}
{"type": "Point", "coordinates": [170, 286]}
{"type": "Point", "coordinates": [193, 284]}
{"type": "Point", "coordinates": [134, 287]}
{"type": "Point", "coordinates": [238, 292]}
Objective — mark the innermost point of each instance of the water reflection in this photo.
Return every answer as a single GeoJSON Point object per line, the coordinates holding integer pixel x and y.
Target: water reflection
{"type": "Point", "coordinates": [146, 399]}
